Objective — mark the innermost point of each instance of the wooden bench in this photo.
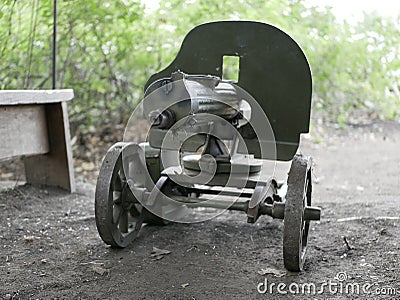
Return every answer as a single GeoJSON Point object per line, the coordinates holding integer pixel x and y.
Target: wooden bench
{"type": "Point", "coordinates": [34, 124]}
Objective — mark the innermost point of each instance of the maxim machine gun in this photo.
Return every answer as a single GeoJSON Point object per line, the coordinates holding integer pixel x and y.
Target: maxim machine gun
{"type": "Point", "coordinates": [208, 142]}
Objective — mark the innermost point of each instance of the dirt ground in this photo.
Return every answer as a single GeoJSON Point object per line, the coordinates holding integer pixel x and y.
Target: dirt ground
{"type": "Point", "coordinates": [50, 248]}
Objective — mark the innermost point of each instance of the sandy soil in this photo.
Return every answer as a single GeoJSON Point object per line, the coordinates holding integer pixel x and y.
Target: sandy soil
{"type": "Point", "coordinates": [50, 248]}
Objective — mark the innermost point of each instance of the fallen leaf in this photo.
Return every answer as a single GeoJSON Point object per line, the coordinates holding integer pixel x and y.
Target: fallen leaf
{"type": "Point", "coordinates": [29, 239]}
{"type": "Point", "coordinates": [192, 248]}
{"type": "Point", "coordinates": [275, 272]}
{"type": "Point", "coordinates": [101, 271]}
{"type": "Point", "coordinates": [157, 253]}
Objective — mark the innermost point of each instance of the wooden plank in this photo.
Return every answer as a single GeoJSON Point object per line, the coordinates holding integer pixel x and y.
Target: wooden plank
{"type": "Point", "coordinates": [14, 97]}
{"type": "Point", "coordinates": [23, 131]}
{"type": "Point", "coordinates": [56, 167]}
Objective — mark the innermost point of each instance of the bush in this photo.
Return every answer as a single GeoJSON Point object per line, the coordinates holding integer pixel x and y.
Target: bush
{"type": "Point", "coordinates": [107, 51]}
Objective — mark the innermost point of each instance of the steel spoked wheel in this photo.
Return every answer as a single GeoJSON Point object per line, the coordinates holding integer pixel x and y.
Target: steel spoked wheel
{"type": "Point", "coordinates": [118, 213]}
{"type": "Point", "coordinates": [295, 232]}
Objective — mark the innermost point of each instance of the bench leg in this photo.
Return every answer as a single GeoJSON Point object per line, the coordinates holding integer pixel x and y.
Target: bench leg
{"type": "Point", "coordinates": [56, 167]}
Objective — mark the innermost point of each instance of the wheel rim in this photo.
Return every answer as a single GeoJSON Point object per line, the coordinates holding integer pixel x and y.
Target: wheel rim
{"type": "Point", "coordinates": [118, 213]}
{"type": "Point", "coordinates": [296, 229]}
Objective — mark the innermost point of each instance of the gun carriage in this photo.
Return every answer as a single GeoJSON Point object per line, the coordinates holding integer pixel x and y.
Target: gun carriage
{"type": "Point", "coordinates": [211, 141]}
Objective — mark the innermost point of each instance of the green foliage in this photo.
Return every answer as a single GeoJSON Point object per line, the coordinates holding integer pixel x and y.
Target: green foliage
{"type": "Point", "coordinates": [108, 49]}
